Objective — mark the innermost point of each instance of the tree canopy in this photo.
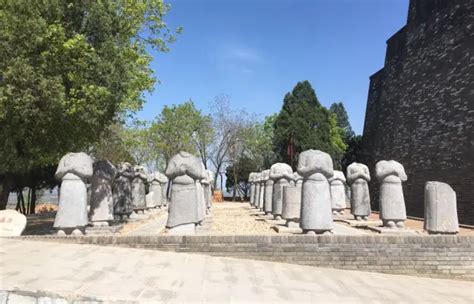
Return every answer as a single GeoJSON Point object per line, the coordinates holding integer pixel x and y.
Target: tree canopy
{"type": "Point", "coordinates": [69, 69]}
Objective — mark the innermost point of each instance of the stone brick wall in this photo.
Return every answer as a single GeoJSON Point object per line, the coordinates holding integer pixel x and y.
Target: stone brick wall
{"type": "Point", "coordinates": [420, 107]}
{"type": "Point", "coordinates": [446, 256]}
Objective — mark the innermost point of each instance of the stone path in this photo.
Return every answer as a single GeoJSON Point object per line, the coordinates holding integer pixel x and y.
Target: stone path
{"type": "Point", "coordinates": [138, 275]}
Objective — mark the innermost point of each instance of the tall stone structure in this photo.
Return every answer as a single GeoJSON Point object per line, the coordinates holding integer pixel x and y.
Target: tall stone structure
{"type": "Point", "coordinates": [420, 107]}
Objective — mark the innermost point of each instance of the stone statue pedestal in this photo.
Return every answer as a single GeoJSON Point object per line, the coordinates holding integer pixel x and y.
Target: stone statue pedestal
{"type": "Point", "coordinates": [185, 229]}
{"type": "Point", "coordinates": [386, 230]}
{"type": "Point", "coordinates": [362, 223]}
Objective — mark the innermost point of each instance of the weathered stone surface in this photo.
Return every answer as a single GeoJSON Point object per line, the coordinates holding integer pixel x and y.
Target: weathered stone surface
{"type": "Point", "coordinates": [291, 204]}
{"type": "Point", "coordinates": [12, 223]}
{"type": "Point", "coordinates": [281, 174]}
{"type": "Point", "coordinates": [440, 209]}
{"type": "Point", "coordinates": [164, 188]}
{"type": "Point", "coordinates": [390, 175]}
{"type": "Point", "coordinates": [73, 170]}
{"type": "Point", "coordinates": [122, 190]}
{"type": "Point", "coordinates": [207, 187]}
{"type": "Point", "coordinates": [316, 167]}
{"type": "Point", "coordinates": [267, 205]}
{"type": "Point", "coordinates": [154, 196]}
{"type": "Point", "coordinates": [185, 171]}
{"type": "Point", "coordinates": [256, 196]}
{"type": "Point", "coordinates": [102, 201]}
{"type": "Point", "coordinates": [419, 106]}
{"type": "Point", "coordinates": [357, 176]}
{"type": "Point", "coordinates": [138, 188]}
{"type": "Point", "coordinates": [265, 176]}
{"type": "Point", "coordinates": [338, 192]}
{"type": "Point", "coordinates": [252, 177]}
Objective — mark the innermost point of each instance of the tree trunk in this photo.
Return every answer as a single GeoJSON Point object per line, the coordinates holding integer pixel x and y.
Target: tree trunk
{"type": "Point", "coordinates": [32, 203]}
{"type": "Point", "coordinates": [5, 188]}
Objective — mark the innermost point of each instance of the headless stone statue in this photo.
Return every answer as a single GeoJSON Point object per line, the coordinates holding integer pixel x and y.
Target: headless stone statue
{"type": "Point", "coordinates": [102, 202]}
{"type": "Point", "coordinates": [263, 181]}
{"type": "Point", "coordinates": [122, 190]}
{"type": "Point", "coordinates": [138, 189]}
{"type": "Point", "coordinates": [338, 192]}
{"type": "Point", "coordinates": [256, 196]}
{"type": "Point", "coordinates": [390, 175]}
{"type": "Point", "coordinates": [208, 190]}
{"type": "Point", "coordinates": [73, 170]}
{"type": "Point", "coordinates": [267, 201]}
{"type": "Point", "coordinates": [252, 188]}
{"type": "Point", "coordinates": [153, 198]}
{"type": "Point", "coordinates": [281, 174]}
{"type": "Point", "coordinates": [357, 176]}
{"type": "Point", "coordinates": [185, 211]}
{"type": "Point", "coordinates": [164, 188]}
{"type": "Point", "coordinates": [441, 216]}
{"type": "Point", "coordinates": [316, 167]}
{"type": "Point", "coordinates": [292, 201]}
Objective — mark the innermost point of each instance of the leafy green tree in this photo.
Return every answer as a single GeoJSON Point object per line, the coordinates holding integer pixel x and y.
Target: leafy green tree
{"type": "Point", "coordinates": [69, 69]}
{"type": "Point", "coordinates": [337, 140]}
{"type": "Point", "coordinates": [353, 152]}
{"type": "Point", "coordinates": [342, 119]}
{"type": "Point", "coordinates": [237, 176]}
{"type": "Point", "coordinates": [179, 128]}
{"type": "Point", "coordinates": [303, 123]}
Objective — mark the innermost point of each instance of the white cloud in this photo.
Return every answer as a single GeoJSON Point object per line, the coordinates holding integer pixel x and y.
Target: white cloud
{"type": "Point", "coordinates": [238, 58]}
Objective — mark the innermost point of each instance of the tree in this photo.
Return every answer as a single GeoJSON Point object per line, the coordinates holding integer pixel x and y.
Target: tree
{"type": "Point", "coordinates": [342, 119]}
{"type": "Point", "coordinates": [303, 123]}
{"type": "Point", "coordinates": [353, 152]}
{"type": "Point", "coordinates": [237, 176]}
{"type": "Point", "coordinates": [337, 140]}
{"type": "Point", "coordinates": [228, 126]}
{"type": "Point", "coordinates": [69, 69]}
{"type": "Point", "coordinates": [181, 128]}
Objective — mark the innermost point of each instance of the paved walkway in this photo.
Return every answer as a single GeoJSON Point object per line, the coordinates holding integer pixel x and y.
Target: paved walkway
{"type": "Point", "coordinates": [147, 276]}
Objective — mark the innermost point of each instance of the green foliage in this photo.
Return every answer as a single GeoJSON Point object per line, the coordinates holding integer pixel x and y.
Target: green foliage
{"type": "Point", "coordinates": [237, 175]}
{"type": "Point", "coordinates": [338, 145]}
{"type": "Point", "coordinates": [113, 145]}
{"type": "Point", "coordinates": [69, 69]}
{"type": "Point", "coordinates": [179, 128]}
{"type": "Point", "coordinates": [353, 152]}
{"type": "Point", "coordinates": [342, 119]}
{"type": "Point", "coordinates": [258, 143]}
{"type": "Point", "coordinates": [304, 120]}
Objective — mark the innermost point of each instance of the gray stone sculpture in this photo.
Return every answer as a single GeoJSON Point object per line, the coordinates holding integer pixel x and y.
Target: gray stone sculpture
{"type": "Point", "coordinates": [390, 175]}
{"type": "Point", "coordinates": [281, 174]}
{"type": "Point", "coordinates": [154, 197]}
{"type": "Point", "coordinates": [209, 179]}
{"type": "Point", "coordinates": [164, 189]}
{"type": "Point", "coordinates": [338, 192]}
{"type": "Point", "coordinates": [357, 176]}
{"type": "Point", "coordinates": [252, 188]}
{"type": "Point", "coordinates": [73, 170]}
{"type": "Point", "coordinates": [291, 206]}
{"type": "Point", "coordinates": [138, 189]}
{"type": "Point", "coordinates": [122, 191]}
{"type": "Point", "coordinates": [316, 167]}
{"type": "Point", "coordinates": [441, 215]}
{"type": "Point", "coordinates": [102, 201]}
{"type": "Point", "coordinates": [265, 176]}
{"type": "Point", "coordinates": [256, 196]}
{"type": "Point", "coordinates": [267, 201]}
{"type": "Point", "coordinates": [185, 171]}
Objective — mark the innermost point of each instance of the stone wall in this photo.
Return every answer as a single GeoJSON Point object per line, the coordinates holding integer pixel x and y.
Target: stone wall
{"type": "Point", "coordinates": [420, 107]}
{"type": "Point", "coordinates": [446, 256]}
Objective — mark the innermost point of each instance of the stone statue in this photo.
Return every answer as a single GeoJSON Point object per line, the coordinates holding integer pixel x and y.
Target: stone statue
{"type": "Point", "coordinates": [292, 201]}
{"type": "Point", "coordinates": [357, 176]}
{"type": "Point", "coordinates": [316, 167]}
{"type": "Point", "coordinates": [256, 195]}
{"type": "Point", "coordinates": [154, 197]}
{"type": "Point", "coordinates": [208, 190]}
{"type": "Point", "coordinates": [267, 201]}
{"type": "Point", "coordinates": [252, 188]}
{"type": "Point", "coordinates": [441, 216]}
{"type": "Point", "coordinates": [138, 189]}
{"type": "Point", "coordinates": [390, 175]}
{"type": "Point", "coordinates": [73, 170]}
{"type": "Point", "coordinates": [338, 192]}
{"type": "Point", "coordinates": [263, 181]}
{"type": "Point", "coordinates": [185, 172]}
{"type": "Point", "coordinates": [281, 174]}
{"type": "Point", "coordinates": [102, 201]}
{"type": "Point", "coordinates": [122, 190]}
{"type": "Point", "coordinates": [164, 188]}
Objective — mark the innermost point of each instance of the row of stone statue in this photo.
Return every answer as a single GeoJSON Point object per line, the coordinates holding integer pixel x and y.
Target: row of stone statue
{"type": "Point", "coordinates": [121, 192]}
{"type": "Point", "coordinates": [310, 197]}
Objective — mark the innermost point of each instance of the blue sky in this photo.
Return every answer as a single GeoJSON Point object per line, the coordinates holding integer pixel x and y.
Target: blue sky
{"type": "Point", "coordinates": [256, 51]}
